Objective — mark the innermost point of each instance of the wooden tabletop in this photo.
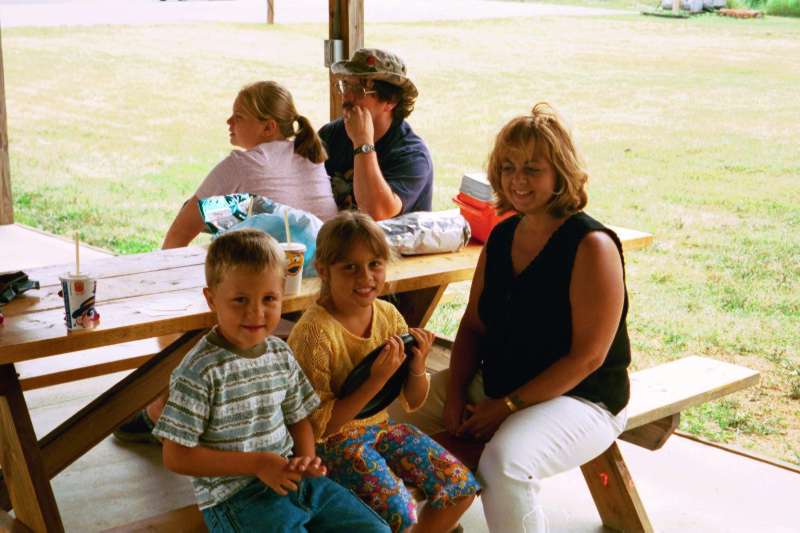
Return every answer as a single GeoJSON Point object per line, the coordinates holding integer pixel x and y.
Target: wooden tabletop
{"type": "Point", "coordinates": [158, 293]}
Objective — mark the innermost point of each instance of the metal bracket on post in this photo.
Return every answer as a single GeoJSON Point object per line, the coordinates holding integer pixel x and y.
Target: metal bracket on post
{"type": "Point", "coordinates": [334, 51]}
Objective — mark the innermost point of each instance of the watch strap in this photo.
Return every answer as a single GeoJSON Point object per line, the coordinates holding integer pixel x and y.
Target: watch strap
{"type": "Point", "coordinates": [363, 149]}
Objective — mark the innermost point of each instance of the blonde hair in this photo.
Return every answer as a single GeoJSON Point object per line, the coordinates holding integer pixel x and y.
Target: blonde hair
{"type": "Point", "coordinates": [337, 236]}
{"type": "Point", "coordinates": [541, 130]}
{"type": "Point", "coordinates": [265, 100]}
{"type": "Point", "coordinates": [247, 248]}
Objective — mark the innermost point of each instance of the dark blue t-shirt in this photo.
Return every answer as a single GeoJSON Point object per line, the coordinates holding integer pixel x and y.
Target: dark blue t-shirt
{"type": "Point", "coordinates": [402, 155]}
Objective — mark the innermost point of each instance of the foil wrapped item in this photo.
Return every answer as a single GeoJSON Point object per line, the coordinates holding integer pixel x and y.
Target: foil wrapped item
{"type": "Point", "coordinates": [425, 232]}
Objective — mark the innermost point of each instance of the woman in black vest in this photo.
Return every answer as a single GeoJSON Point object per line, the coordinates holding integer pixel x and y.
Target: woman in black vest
{"type": "Point", "coordinates": [539, 365]}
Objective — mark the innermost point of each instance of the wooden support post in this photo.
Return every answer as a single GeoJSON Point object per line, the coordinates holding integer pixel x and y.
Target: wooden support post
{"type": "Point", "coordinates": [345, 23]}
{"type": "Point", "coordinates": [270, 11]}
{"type": "Point", "coordinates": [654, 435]}
{"type": "Point", "coordinates": [614, 493]}
{"type": "Point", "coordinates": [418, 306]}
{"type": "Point", "coordinates": [28, 481]}
{"type": "Point", "coordinates": [97, 420]}
{"type": "Point", "coordinates": [6, 201]}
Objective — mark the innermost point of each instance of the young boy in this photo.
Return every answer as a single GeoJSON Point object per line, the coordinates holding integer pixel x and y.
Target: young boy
{"type": "Point", "coordinates": [236, 418]}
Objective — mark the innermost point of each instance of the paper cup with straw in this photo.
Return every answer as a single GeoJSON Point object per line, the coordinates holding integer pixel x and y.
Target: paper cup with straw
{"type": "Point", "coordinates": [295, 253]}
{"type": "Point", "coordinates": [79, 295]}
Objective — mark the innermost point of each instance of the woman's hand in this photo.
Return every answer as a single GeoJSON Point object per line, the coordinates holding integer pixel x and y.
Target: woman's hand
{"type": "Point", "coordinates": [419, 353]}
{"type": "Point", "coordinates": [389, 360]}
{"type": "Point", "coordinates": [276, 473]}
{"type": "Point", "coordinates": [453, 413]}
{"type": "Point", "coordinates": [484, 418]}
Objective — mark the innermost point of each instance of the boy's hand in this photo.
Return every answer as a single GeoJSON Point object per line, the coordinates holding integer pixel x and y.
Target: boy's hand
{"type": "Point", "coordinates": [419, 353]}
{"type": "Point", "coordinates": [389, 360]}
{"type": "Point", "coordinates": [277, 475]}
{"type": "Point", "coordinates": [307, 466]}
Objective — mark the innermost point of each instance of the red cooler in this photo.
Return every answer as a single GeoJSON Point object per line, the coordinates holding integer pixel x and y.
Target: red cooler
{"type": "Point", "coordinates": [480, 214]}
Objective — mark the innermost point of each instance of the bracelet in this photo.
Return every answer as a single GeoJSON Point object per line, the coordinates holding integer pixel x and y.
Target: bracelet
{"type": "Point", "coordinates": [423, 373]}
{"type": "Point", "coordinates": [509, 404]}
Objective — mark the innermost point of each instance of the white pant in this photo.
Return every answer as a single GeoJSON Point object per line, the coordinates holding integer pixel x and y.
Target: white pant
{"type": "Point", "coordinates": [531, 445]}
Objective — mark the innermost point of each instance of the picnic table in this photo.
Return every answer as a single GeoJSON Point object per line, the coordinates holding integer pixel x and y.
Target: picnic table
{"type": "Point", "coordinates": [139, 297]}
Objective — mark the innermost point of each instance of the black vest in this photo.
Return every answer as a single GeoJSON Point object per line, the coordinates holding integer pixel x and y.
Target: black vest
{"type": "Point", "coordinates": [528, 317]}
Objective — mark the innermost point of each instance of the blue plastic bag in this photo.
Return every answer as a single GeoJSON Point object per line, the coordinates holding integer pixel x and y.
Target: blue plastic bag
{"type": "Point", "coordinates": [229, 212]}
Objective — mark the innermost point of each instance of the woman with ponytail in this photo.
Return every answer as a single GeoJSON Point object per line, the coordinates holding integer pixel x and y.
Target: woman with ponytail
{"type": "Point", "coordinates": [282, 159]}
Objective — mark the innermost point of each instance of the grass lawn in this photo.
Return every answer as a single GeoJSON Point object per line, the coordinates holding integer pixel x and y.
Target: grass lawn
{"type": "Point", "coordinates": [690, 129]}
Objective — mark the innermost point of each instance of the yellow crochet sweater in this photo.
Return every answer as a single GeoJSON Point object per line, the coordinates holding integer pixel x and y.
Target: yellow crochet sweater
{"type": "Point", "coordinates": [327, 352]}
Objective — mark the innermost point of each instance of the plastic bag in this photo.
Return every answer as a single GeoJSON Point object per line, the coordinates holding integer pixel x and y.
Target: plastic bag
{"type": "Point", "coordinates": [229, 213]}
{"type": "Point", "coordinates": [425, 232]}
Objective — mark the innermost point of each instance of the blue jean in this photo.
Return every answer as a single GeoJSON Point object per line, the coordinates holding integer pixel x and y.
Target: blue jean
{"type": "Point", "coordinates": [318, 505]}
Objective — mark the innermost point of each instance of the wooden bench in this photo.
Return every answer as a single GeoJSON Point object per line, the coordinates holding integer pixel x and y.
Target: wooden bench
{"type": "Point", "coordinates": [658, 395]}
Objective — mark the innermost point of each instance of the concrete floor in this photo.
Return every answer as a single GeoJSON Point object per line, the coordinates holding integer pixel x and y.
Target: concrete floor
{"type": "Point", "coordinates": [25, 247]}
{"type": "Point", "coordinates": [686, 486]}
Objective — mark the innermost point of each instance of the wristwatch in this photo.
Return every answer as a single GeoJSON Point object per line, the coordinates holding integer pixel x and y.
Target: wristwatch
{"type": "Point", "coordinates": [363, 149]}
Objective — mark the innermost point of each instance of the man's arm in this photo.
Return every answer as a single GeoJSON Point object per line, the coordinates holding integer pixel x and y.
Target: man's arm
{"type": "Point", "coordinates": [371, 190]}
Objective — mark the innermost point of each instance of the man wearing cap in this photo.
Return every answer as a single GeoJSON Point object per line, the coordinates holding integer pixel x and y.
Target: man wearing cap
{"type": "Point", "coordinates": [376, 162]}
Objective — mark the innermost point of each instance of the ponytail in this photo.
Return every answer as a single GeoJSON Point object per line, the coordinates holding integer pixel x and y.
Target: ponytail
{"type": "Point", "coordinates": [307, 143]}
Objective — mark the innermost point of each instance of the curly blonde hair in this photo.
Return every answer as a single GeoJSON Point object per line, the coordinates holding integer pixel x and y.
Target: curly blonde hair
{"type": "Point", "coordinates": [543, 131]}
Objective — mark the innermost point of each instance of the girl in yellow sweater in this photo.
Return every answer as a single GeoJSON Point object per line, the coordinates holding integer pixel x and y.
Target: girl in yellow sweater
{"type": "Point", "coordinates": [372, 456]}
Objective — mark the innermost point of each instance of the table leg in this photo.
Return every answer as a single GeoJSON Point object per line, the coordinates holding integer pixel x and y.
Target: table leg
{"type": "Point", "coordinates": [418, 306]}
{"type": "Point", "coordinates": [23, 469]}
{"type": "Point", "coordinates": [81, 432]}
{"type": "Point", "coordinates": [614, 493]}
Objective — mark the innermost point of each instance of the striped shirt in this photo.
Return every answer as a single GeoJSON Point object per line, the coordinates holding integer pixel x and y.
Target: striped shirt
{"type": "Point", "coordinates": [235, 401]}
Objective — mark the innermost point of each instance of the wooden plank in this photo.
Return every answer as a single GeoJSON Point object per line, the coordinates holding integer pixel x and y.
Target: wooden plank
{"type": "Point", "coordinates": [418, 306]}
{"type": "Point", "coordinates": [97, 420]}
{"type": "Point", "coordinates": [33, 335]}
{"type": "Point", "coordinates": [187, 519]}
{"type": "Point", "coordinates": [22, 462]}
{"type": "Point", "coordinates": [632, 239]}
{"type": "Point", "coordinates": [6, 198]}
{"type": "Point", "coordinates": [614, 492]}
{"type": "Point", "coordinates": [654, 435]}
{"type": "Point", "coordinates": [116, 288]}
{"type": "Point", "coordinates": [124, 265]}
{"type": "Point", "coordinates": [670, 388]}
{"type": "Point", "coordinates": [9, 524]}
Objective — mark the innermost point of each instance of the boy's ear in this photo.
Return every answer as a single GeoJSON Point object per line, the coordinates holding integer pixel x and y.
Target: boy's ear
{"type": "Point", "coordinates": [322, 270]}
{"type": "Point", "coordinates": [209, 298]}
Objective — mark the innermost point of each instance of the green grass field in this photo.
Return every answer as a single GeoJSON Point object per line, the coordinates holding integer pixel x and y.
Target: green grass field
{"type": "Point", "coordinates": [690, 129]}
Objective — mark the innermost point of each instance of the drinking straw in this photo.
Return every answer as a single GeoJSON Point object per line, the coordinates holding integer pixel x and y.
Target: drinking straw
{"type": "Point", "coordinates": [286, 225]}
{"type": "Point", "coordinates": [77, 254]}
{"type": "Point", "coordinates": [250, 207]}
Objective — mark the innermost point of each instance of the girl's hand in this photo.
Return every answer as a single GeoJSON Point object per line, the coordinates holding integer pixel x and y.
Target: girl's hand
{"type": "Point", "coordinates": [307, 466]}
{"type": "Point", "coordinates": [419, 353]}
{"type": "Point", "coordinates": [276, 474]}
{"type": "Point", "coordinates": [389, 360]}
{"type": "Point", "coordinates": [484, 418]}
{"type": "Point", "coordinates": [453, 414]}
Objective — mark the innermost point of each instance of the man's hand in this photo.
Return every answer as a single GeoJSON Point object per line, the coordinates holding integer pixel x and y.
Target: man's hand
{"type": "Point", "coordinates": [358, 125]}
{"type": "Point", "coordinates": [484, 418]}
{"type": "Point", "coordinates": [276, 474]}
{"type": "Point", "coordinates": [307, 466]}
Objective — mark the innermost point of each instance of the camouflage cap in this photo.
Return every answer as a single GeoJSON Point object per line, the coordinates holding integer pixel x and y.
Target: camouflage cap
{"type": "Point", "coordinates": [375, 64]}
